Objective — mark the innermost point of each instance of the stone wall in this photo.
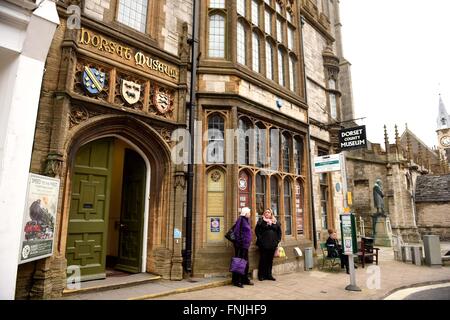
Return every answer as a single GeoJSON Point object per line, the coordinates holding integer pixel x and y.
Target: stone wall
{"type": "Point", "coordinates": [398, 177]}
{"type": "Point", "coordinates": [169, 25]}
{"type": "Point", "coordinates": [176, 12]}
{"type": "Point", "coordinates": [434, 218]}
{"type": "Point", "coordinates": [314, 44]}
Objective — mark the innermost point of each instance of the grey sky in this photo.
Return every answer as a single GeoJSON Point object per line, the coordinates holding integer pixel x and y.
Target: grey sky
{"type": "Point", "coordinates": [400, 53]}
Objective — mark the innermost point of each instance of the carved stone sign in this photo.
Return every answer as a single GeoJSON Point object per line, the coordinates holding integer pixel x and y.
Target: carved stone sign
{"type": "Point", "coordinates": [113, 50]}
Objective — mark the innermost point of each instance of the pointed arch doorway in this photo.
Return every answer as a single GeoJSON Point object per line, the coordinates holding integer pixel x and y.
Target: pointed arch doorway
{"type": "Point", "coordinates": [108, 216]}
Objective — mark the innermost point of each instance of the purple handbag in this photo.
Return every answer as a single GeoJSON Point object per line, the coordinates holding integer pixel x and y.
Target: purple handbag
{"type": "Point", "coordinates": [238, 265]}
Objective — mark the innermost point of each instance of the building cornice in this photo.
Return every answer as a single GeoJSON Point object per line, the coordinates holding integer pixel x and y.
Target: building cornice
{"type": "Point", "coordinates": [235, 99]}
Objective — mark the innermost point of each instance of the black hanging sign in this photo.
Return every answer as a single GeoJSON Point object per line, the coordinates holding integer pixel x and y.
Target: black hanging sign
{"type": "Point", "coordinates": [353, 138]}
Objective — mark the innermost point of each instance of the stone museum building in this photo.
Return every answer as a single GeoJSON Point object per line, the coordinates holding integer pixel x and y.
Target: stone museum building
{"type": "Point", "coordinates": [272, 88]}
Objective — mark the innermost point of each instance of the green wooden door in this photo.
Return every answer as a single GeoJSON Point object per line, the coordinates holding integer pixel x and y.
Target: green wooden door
{"type": "Point", "coordinates": [132, 214]}
{"type": "Point", "coordinates": [89, 209]}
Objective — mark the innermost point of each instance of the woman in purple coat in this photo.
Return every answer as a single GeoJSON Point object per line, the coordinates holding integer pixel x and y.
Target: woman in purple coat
{"type": "Point", "coordinates": [243, 232]}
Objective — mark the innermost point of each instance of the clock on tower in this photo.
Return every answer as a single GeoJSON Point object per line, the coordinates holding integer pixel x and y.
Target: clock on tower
{"type": "Point", "coordinates": [445, 141]}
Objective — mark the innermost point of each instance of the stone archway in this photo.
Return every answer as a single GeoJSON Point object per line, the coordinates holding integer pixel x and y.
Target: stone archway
{"type": "Point", "coordinates": [151, 146]}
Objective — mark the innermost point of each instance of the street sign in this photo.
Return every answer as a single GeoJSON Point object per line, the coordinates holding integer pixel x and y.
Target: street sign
{"type": "Point", "coordinates": [353, 138]}
{"type": "Point", "coordinates": [327, 163]}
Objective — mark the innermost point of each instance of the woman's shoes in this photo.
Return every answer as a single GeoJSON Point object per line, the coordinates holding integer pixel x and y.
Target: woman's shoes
{"type": "Point", "coordinates": [240, 285]}
{"type": "Point", "coordinates": [268, 278]}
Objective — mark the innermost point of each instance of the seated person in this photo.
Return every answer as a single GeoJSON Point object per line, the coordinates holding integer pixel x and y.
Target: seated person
{"type": "Point", "coordinates": [335, 250]}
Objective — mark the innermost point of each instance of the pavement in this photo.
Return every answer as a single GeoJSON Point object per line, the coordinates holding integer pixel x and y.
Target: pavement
{"type": "Point", "coordinates": [376, 283]}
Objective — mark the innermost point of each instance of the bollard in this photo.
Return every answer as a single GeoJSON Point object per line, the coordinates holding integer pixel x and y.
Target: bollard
{"type": "Point", "coordinates": [416, 255]}
{"type": "Point", "coordinates": [406, 253]}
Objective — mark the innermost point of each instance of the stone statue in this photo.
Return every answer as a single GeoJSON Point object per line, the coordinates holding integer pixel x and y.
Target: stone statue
{"type": "Point", "coordinates": [378, 197]}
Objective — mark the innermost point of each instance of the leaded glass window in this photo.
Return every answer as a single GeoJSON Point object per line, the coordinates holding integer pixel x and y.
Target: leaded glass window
{"type": "Point", "coordinates": [255, 51]}
{"type": "Point", "coordinates": [216, 36]}
{"type": "Point", "coordinates": [133, 13]}
{"type": "Point", "coordinates": [240, 43]}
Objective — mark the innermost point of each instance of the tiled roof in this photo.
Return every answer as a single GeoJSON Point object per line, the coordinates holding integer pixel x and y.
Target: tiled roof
{"type": "Point", "coordinates": [433, 188]}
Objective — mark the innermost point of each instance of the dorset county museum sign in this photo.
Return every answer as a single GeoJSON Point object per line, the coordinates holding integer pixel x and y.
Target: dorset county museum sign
{"type": "Point", "coordinates": [353, 138]}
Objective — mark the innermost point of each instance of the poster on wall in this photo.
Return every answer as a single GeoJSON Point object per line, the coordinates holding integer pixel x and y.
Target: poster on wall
{"type": "Point", "coordinates": [39, 218]}
{"type": "Point", "coordinates": [215, 229]}
{"type": "Point", "coordinates": [215, 224]}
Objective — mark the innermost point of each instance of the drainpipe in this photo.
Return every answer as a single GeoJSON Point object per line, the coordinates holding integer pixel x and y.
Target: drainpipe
{"type": "Point", "coordinates": [313, 215]}
{"type": "Point", "coordinates": [187, 256]}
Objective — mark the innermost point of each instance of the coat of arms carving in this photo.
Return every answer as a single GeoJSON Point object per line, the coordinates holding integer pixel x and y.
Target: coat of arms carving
{"type": "Point", "coordinates": [93, 80]}
{"type": "Point", "coordinates": [130, 91]}
{"type": "Point", "coordinates": [162, 100]}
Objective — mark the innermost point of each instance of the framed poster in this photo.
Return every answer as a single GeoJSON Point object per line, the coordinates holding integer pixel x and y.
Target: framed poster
{"type": "Point", "coordinates": [39, 218]}
{"type": "Point", "coordinates": [215, 229]}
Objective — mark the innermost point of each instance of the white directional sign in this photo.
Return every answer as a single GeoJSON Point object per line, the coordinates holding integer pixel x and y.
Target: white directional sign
{"type": "Point", "coordinates": [327, 163]}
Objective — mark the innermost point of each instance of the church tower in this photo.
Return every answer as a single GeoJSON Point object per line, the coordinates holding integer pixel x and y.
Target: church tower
{"type": "Point", "coordinates": [443, 131]}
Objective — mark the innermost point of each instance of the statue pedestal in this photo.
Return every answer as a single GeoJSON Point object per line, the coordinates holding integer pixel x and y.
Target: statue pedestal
{"type": "Point", "coordinates": [382, 231]}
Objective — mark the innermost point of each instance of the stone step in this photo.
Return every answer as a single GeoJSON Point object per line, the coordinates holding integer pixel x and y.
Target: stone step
{"type": "Point", "coordinates": [112, 283]}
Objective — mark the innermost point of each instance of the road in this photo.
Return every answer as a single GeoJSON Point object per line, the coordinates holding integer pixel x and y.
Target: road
{"type": "Point", "coordinates": [431, 294]}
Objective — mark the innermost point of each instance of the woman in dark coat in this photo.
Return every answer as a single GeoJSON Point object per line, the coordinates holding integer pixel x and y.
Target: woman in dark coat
{"type": "Point", "coordinates": [243, 232]}
{"type": "Point", "coordinates": [268, 234]}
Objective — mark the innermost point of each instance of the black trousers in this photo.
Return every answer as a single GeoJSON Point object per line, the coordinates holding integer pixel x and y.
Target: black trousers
{"type": "Point", "coordinates": [239, 278]}
{"type": "Point", "coordinates": [265, 262]}
{"type": "Point", "coordinates": [344, 259]}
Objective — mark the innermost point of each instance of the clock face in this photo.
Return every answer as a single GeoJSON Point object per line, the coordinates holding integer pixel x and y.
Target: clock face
{"type": "Point", "coordinates": [445, 141]}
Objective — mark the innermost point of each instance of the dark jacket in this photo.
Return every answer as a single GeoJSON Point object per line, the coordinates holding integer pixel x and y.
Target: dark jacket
{"type": "Point", "coordinates": [333, 248]}
{"type": "Point", "coordinates": [243, 233]}
{"type": "Point", "coordinates": [268, 236]}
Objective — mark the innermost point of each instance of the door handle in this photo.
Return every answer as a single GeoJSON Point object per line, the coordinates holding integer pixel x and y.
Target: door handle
{"type": "Point", "coordinates": [123, 226]}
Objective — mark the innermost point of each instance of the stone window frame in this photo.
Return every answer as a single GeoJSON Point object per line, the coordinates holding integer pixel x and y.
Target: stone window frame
{"type": "Point", "coordinates": [266, 172]}
{"type": "Point", "coordinates": [256, 60]}
{"type": "Point", "coordinates": [275, 182]}
{"type": "Point", "coordinates": [296, 138]}
{"type": "Point", "coordinates": [151, 29]}
{"type": "Point", "coordinates": [257, 194]}
{"type": "Point", "coordinates": [279, 46]}
{"type": "Point", "coordinates": [209, 117]}
{"type": "Point", "coordinates": [239, 52]}
{"type": "Point", "coordinates": [224, 14]}
{"type": "Point", "coordinates": [333, 93]}
{"type": "Point", "coordinates": [223, 172]}
{"type": "Point", "coordinates": [290, 182]}
{"type": "Point", "coordinates": [301, 184]}
{"type": "Point", "coordinates": [249, 156]}
{"type": "Point", "coordinates": [286, 139]}
{"type": "Point", "coordinates": [326, 185]}
{"type": "Point", "coordinates": [128, 5]}
{"type": "Point", "coordinates": [244, 2]}
{"type": "Point", "coordinates": [250, 192]}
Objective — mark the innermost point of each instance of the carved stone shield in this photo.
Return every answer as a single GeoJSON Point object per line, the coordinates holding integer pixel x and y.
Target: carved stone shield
{"type": "Point", "coordinates": [162, 100]}
{"type": "Point", "coordinates": [130, 91]}
{"type": "Point", "coordinates": [93, 80]}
